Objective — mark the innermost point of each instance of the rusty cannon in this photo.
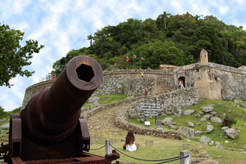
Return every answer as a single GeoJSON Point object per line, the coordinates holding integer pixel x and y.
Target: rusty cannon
{"type": "Point", "coordinates": [51, 128]}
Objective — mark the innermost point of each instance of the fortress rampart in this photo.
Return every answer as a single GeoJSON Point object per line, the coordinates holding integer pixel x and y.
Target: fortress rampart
{"type": "Point", "coordinates": [213, 81]}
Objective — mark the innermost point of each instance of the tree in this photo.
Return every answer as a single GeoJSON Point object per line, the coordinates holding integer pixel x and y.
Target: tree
{"type": "Point", "coordinates": [90, 37]}
{"type": "Point", "coordinates": [170, 39]}
{"type": "Point", "coordinates": [13, 57]}
{"type": "Point", "coordinates": [164, 17]}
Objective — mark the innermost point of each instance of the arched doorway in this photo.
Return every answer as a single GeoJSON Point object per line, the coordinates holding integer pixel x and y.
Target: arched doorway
{"type": "Point", "coordinates": [182, 79]}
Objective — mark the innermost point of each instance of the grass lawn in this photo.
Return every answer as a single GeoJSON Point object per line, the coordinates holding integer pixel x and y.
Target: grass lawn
{"type": "Point", "coordinates": [161, 149]}
{"type": "Point", "coordinates": [220, 107]}
{"type": "Point", "coordinates": [166, 148]}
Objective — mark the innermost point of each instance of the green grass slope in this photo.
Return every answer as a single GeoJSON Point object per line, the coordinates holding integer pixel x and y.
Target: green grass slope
{"type": "Point", "coordinates": [220, 107]}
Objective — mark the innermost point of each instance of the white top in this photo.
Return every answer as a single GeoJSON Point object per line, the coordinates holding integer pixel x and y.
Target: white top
{"type": "Point", "coordinates": [146, 123]}
{"type": "Point", "coordinates": [132, 147]}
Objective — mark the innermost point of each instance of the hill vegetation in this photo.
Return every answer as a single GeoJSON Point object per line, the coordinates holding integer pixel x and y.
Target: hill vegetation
{"type": "Point", "coordinates": [170, 39]}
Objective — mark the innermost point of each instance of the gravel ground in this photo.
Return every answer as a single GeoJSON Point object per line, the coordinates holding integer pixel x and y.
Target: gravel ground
{"type": "Point", "coordinates": [101, 126]}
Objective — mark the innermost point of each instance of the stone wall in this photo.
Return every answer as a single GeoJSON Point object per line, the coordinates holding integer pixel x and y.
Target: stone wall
{"type": "Point", "coordinates": [130, 82]}
{"type": "Point", "coordinates": [170, 102]}
{"type": "Point", "coordinates": [34, 90]}
{"type": "Point", "coordinates": [233, 80]}
{"type": "Point", "coordinates": [220, 82]}
{"type": "Point", "coordinates": [214, 81]}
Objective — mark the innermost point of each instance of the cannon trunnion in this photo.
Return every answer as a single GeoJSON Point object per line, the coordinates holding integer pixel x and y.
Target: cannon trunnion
{"type": "Point", "coordinates": [51, 129]}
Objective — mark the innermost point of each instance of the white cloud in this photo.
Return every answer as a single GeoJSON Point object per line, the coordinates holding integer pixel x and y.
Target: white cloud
{"type": "Point", "coordinates": [223, 9]}
{"type": "Point", "coordinates": [240, 2]}
{"type": "Point", "coordinates": [19, 6]}
{"type": "Point", "coordinates": [178, 7]}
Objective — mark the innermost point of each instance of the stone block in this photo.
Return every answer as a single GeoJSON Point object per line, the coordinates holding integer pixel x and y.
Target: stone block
{"type": "Point", "coordinates": [207, 109]}
{"type": "Point", "coordinates": [188, 112]}
{"type": "Point", "coordinates": [190, 124]}
{"type": "Point", "coordinates": [216, 120]}
{"type": "Point", "coordinates": [158, 125]}
{"type": "Point", "coordinates": [188, 132]}
{"type": "Point", "coordinates": [205, 140]}
{"type": "Point", "coordinates": [232, 133]}
{"type": "Point", "coordinates": [167, 121]}
{"type": "Point", "coordinates": [209, 128]}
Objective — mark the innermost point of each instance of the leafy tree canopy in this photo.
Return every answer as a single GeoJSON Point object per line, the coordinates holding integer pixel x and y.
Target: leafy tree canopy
{"type": "Point", "coordinates": [13, 56]}
{"type": "Point", "coordinates": [170, 39]}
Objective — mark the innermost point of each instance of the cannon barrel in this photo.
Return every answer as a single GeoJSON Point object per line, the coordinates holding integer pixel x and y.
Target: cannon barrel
{"type": "Point", "coordinates": [51, 129]}
{"type": "Point", "coordinates": [53, 114]}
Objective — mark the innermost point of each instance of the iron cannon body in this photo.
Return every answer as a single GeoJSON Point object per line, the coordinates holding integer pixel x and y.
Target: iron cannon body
{"type": "Point", "coordinates": [51, 128]}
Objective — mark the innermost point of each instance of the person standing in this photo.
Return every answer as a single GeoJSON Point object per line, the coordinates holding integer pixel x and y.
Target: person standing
{"type": "Point", "coordinates": [146, 91]}
{"type": "Point", "coordinates": [142, 73]}
{"type": "Point", "coordinates": [182, 85]}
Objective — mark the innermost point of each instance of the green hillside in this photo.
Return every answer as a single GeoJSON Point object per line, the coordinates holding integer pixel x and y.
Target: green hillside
{"type": "Point", "coordinates": [170, 39]}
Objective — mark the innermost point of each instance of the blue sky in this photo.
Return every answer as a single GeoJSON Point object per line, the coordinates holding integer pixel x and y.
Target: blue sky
{"type": "Point", "coordinates": [63, 25]}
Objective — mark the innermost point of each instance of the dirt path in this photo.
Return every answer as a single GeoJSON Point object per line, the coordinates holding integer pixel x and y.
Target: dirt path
{"type": "Point", "coordinates": [101, 126]}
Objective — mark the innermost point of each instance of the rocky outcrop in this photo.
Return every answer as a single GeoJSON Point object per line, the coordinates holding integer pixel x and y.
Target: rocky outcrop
{"type": "Point", "coordinates": [205, 140]}
{"type": "Point", "coordinates": [188, 132]}
{"type": "Point", "coordinates": [209, 128]}
{"type": "Point", "coordinates": [190, 124]}
{"type": "Point", "coordinates": [207, 109]}
{"type": "Point", "coordinates": [231, 133]}
{"type": "Point", "coordinates": [198, 132]}
{"type": "Point", "coordinates": [227, 94]}
{"type": "Point", "coordinates": [178, 113]}
{"type": "Point", "coordinates": [167, 121]}
{"type": "Point", "coordinates": [216, 120]}
{"type": "Point", "coordinates": [188, 112]}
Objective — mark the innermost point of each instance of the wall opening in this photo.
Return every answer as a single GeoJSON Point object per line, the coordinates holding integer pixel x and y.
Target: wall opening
{"type": "Point", "coordinates": [182, 79]}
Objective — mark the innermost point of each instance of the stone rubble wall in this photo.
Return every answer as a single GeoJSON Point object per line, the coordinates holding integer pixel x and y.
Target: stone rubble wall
{"type": "Point", "coordinates": [134, 85]}
{"type": "Point", "coordinates": [233, 80]}
{"type": "Point", "coordinates": [121, 117]}
{"type": "Point", "coordinates": [170, 102]}
{"type": "Point", "coordinates": [130, 82]}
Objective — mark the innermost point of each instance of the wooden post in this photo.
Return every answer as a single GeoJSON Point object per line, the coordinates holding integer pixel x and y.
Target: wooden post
{"type": "Point", "coordinates": [186, 160]}
{"type": "Point", "coordinates": [108, 147]}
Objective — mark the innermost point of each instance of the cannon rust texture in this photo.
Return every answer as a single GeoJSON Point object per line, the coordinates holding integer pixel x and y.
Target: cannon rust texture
{"type": "Point", "coordinates": [51, 129]}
